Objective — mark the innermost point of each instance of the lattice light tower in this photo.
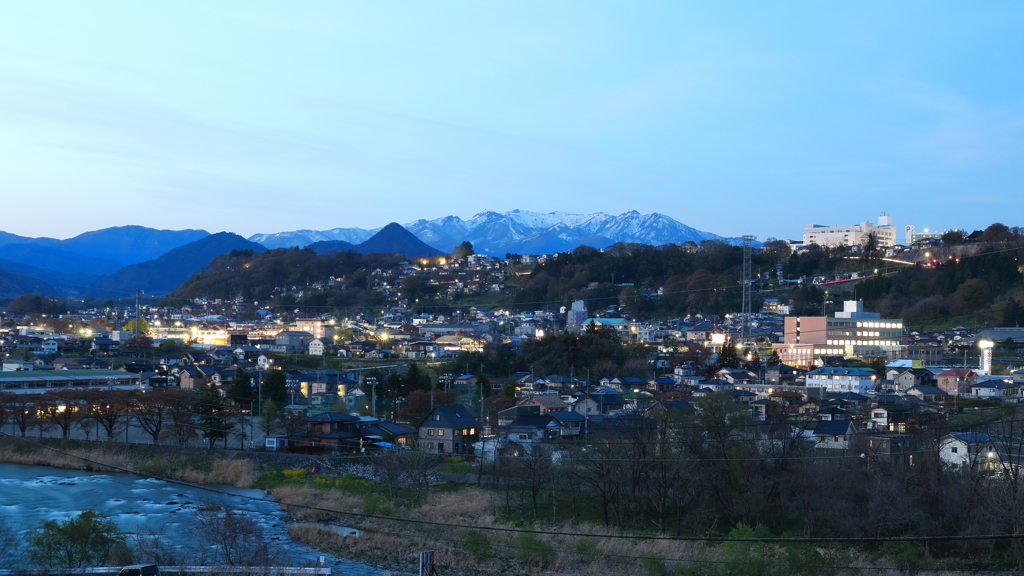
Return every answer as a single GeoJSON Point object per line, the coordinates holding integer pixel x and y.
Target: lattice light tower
{"type": "Point", "coordinates": [747, 250]}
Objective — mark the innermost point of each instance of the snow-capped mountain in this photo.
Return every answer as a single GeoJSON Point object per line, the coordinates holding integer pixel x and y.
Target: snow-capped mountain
{"type": "Point", "coordinates": [519, 231]}
{"type": "Point", "coordinates": [303, 238]}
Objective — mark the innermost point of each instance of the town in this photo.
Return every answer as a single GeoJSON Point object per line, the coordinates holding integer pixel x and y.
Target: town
{"type": "Point", "coordinates": [803, 372]}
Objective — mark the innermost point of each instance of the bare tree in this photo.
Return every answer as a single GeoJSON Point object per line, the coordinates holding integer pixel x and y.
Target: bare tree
{"type": "Point", "coordinates": [61, 408]}
{"type": "Point", "coordinates": [180, 427]}
{"type": "Point", "coordinates": [149, 411]}
{"type": "Point", "coordinates": [22, 411]}
{"type": "Point", "coordinates": [232, 538]}
{"type": "Point", "coordinates": [109, 410]}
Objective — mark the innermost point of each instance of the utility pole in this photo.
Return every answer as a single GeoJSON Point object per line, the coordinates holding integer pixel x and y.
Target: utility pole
{"type": "Point", "coordinates": [138, 299]}
{"type": "Point", "coordinates": [747, 251]}
{"type": "Point", "coordinates": [372, 381]}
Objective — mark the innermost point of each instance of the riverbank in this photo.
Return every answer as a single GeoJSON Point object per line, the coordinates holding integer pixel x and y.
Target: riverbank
{"type": "Point", "coordinates": [318, 502]}
{"type": "Point", "coordinates": [200, 466]}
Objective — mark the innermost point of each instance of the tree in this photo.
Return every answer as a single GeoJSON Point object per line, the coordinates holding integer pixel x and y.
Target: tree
{"type": "Point", "coordinates": [140, 345]}
{"type": "Point", "coordinates": [149, 410]}
{"type": "Point", "coordinates": [418, 403]}
{"type": "Point", "coordinates": [274, 387]}
{"type": "Point", "coordinates": [180, 407]}
{"type": "Point", "coordinates": [61, 409]}
{"type": "Point", "coordinates": [84, 540]}
{"type": "Point", "coordinates": [268, 423]}
{"type": "Point", "coordinates": [774, 359]}
{"type": "Point", "coordinates": [109, 410]}
{"type": "Point", "coordinates": [508, 389]}
{"type": "Point", "coordinates": [727, 357]}
{"type": "Point", "coordinates": [953, 237]}
{"type": "Point", "coordinates": [870, 245]}
{"type": "Point", "coordinates": [213, 419]}
{"type": "Point", "coordinates": [232, 538]}
{"type": "Point", "coordinates": [240, 391]}
{"type": "Point", "coordinates": [463, 250]}
{"type": "Point", "coordinates": [972, 295]}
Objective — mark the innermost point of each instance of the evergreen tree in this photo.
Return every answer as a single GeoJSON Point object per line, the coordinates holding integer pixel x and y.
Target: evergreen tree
{"type": "Point", "coordinates": [213, 419]}
{"type": "Point", "coordinates": [274, 387]}
{"type": "Point", "coordinates": [754, 364]}
{"type": "Point", "coordinates": [508, 389]}
{"type": "Point", "coordinates": [727, 357]}
{"type": "Point", "coordinates": [774, 359]}
{"type": "Point", "coordinates": [240, 391]}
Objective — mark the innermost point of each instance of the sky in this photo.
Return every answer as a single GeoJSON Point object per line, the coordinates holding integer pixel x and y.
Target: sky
{"type": "Point", "coordinates": [734, 118]}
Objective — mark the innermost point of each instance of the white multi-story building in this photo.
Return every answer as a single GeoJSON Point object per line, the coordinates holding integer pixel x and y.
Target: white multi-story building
{"type": "Point", "coordinates": [856, 235]}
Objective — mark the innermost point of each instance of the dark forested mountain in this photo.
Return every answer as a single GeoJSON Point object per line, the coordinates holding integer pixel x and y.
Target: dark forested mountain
{"type": "Point", "coordinates": [394, 239]}
{"type": "Point", "coordinates": [164, 274]}
{"type": "Point", "coordinates": [57, 259]}
{"type": "Point", "coordinates": [130, 244]}
{"type": "Point", "coordinates": [14, 284]}
{"type": "Point", "coordinates": [63, 282]}
{"type": "Point", "coordinates": [97, 252]}
{"type": "Point", "coordinates": [325, 246]}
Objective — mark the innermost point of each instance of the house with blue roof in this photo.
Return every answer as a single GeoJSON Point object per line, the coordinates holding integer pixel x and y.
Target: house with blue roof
{"type": "Point", "coordinates": [969, 451]}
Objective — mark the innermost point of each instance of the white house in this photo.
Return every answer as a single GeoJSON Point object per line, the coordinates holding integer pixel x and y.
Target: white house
{"type": "Point", "coordinates": [317, 347]}
{"type": "Point", "coordinates": [51, 346]}
{"type": "Point", "coordinates": [996, 390]}
{"type": "Point", "coordinates": [857, 380]}
{"type": "Point", "coordinates": [970, 450]}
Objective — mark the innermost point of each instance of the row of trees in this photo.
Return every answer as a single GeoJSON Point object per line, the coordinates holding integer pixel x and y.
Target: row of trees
{"type": "Point", "coordinates": [715, 469]}
{"type": "Point", "coordinates": [167, 416]}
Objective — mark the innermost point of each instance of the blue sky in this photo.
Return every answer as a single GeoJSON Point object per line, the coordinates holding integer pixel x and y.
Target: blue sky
{"type": "Point", "coordinates": [749, 117]}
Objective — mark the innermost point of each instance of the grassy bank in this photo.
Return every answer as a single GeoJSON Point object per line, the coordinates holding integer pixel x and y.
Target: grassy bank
{"type": "Point", "coordinates": [189, 464]}
{"type": "Point", "coordinates": [570, 549]}
{"type": "Point", "coordinates": [456, 521]}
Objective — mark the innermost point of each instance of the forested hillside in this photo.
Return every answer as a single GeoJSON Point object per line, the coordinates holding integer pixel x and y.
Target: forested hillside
{"type": "Point", "coordinates": [267, 275]}
{"type": "Point", "coordinates": [688, 279]}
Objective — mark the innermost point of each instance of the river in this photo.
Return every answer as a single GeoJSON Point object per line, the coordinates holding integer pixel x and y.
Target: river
{"type": "Point", "coordinates": [29, 494]}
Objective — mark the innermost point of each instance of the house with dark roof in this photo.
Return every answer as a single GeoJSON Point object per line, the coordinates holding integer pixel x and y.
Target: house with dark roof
{"type": "Point", "coordinates": [448, 429]}
{"type": "Point", "coordinates": [906, 378]}
{"type": "Point", "coordinates": [969, 451]}
{"type": "Point", "coordinates": [782, 374]}
{"type": "Point", "coordinates": [336, 430]}
{"type": "Point", "coordinates": [833, 434]}
{"type": "Point", "coordinates": [932, 394]}
{"type": "Point", "coordinates": [546, 402]}
{"type": "Point", "coordinates": [996, 390]}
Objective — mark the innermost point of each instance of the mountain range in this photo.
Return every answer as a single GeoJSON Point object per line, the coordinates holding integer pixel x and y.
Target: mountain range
{"type": "Point", "coordinates": [518, 231]}
{"type": "Point", "coordinates": [114, 262]}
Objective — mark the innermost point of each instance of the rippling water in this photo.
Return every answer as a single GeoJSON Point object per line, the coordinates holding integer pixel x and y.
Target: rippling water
{"type": "Point", "coordinates": [29, 494]}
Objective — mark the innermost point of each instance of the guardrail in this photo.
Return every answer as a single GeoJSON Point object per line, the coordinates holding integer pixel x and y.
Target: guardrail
{"type": "Point", "coordinates": [237, 570]}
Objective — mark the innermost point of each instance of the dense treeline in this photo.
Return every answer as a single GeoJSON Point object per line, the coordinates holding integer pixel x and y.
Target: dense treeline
{"type": "Point", "coordinates": [988, 283]}
{"type": "Point", "coordinates": [713, 469]}
{"type": "Point", "coordinates": [688, 279]}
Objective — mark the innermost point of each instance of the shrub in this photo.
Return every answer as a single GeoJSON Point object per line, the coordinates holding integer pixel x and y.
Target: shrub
{"type": "Point", "coordinates": [530, 548]}
{"type": "Point", "coordinates": [655, 566]}
{"type": "Point", "coordinates": [376, 504]}
{"type": "Point", "coordinates": [476, 543]}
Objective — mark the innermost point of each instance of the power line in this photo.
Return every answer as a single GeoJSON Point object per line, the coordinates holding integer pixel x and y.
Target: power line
{"type": "Point", "coordinates": [503, 529]}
